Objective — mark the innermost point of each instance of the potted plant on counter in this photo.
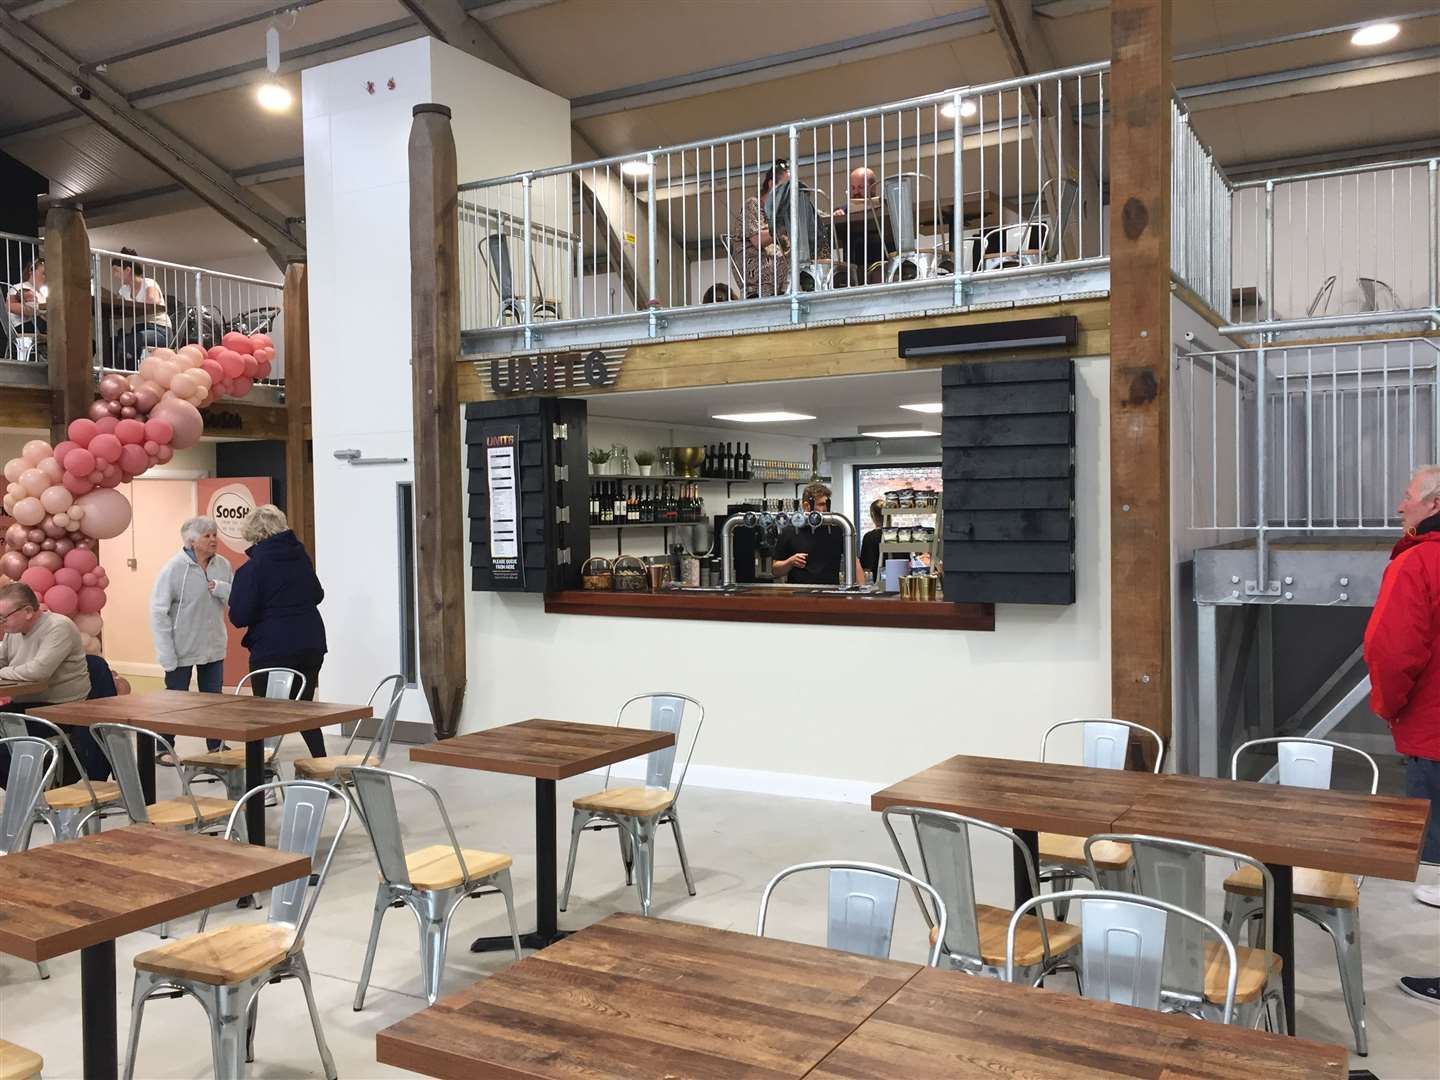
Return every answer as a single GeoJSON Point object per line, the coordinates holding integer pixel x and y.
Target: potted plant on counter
{"type": "Point", "coordinates": [598, 458]}
{"type": "Point", "coordinates": [644, 461]}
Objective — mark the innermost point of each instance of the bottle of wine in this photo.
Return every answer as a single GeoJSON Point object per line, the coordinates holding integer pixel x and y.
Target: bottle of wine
{"type": "Point", "coordinates": [593, 504]}
{"type": "Point", "coordinates": [745, 463]}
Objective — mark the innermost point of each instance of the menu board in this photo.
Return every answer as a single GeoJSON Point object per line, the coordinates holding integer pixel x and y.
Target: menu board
{"type": "Point", "coordinates": [502, 476]}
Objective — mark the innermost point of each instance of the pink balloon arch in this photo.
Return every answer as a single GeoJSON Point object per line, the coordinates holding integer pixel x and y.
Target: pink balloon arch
{"type": "Point", "coordinates": [63, 497]}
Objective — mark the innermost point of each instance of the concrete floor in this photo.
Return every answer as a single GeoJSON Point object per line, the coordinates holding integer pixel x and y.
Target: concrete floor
{"type": "Point", "coordinates": [736, 842]}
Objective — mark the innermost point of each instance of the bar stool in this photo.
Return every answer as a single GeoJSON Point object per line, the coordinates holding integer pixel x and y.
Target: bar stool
{"type": "Point", "coordinates": [228, 766]}
{"type": "Point", "coordinates": [1329, 899]}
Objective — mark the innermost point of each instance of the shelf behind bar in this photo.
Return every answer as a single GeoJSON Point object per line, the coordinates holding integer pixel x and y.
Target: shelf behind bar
{"type": "Point", "coordinates": [771, 608]}
{"type": "Point", "coordinates": [700, 479]}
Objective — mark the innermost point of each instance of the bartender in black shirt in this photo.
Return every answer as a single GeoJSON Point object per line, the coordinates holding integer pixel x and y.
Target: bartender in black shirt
{"type": "Point", "coordinates": [811, 555]}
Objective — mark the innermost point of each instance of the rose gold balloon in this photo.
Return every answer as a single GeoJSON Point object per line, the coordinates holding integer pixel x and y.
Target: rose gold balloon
{"type": "Point", "coordinates": [64, 546]}
{"type": "Point", "coordinates": [98, 409]}
{"type": "Point", "coordinates": [48, 559]}
{"type": "Point", "coordinates": [47, 544]}
{"type": "Point", "coordinates": [30, 549]}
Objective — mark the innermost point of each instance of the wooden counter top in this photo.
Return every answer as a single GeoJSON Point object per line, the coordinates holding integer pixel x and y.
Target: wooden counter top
{"type": "Point", "coordinates": [776, 607]}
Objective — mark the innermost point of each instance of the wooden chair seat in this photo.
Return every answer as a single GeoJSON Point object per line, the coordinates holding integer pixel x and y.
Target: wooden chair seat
{"type": "Point", "coordinates": [223, 759]}
{"type": "Point", "coordinates": [323, 768]}
{"type": "Point", "coordinates": [77, 796]}
{"type": "Point", "coordinates": [179, 813]}
{"type": "Point", "coordinates": [435, 867]}
{"type": "Point", "coordinates": [1070, 851]}
{"type": "Point", "coordinates": [17, 1063]}
{"type": "Point", "coordinates": [1254, 972]}
{"type": "Point", "coordinates": [631, 801]}
{"type": "Point", "coordinates": [220, 957]}
{"type": "Point", "coordinates": [1323, 888]}
{"type": "Point", "coordinates": [994, 923]}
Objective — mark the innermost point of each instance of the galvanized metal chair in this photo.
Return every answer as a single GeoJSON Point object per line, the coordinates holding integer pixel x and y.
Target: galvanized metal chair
{"type": "Point", "coordinates": [496, 250]}
{"type": "Point", "coordinates": [226, 969]}
{"type": "Point", "coordinates": [1329, 899]}
{"type": "Point", "coordinates": [1106, 744]}
{"type": "Point", "coordinates": [1174, 871]}
{"type": "Point", "coordinates": [32, 764]}
{"type": "Point", "coordinates": [323, 768]}
{"type": "Point", "coordinates": [228, 766]}
{"type": "Point", "coordinates": [638, 812]}
{"type": "Point", "coordinates": [907, 261]}
{"type": "Point", "coordinates": [66, 811]}
{"type": "Point", "coordinates": [975, 940]}
{"type": "Point", "coordinates": [1124, 946]}
{"type": "Point", "coordinates": [430, 881]}
{"type": "Point", "coordinates": [190, 812]}
{"type": "Point", "coordinates": [860, 910]}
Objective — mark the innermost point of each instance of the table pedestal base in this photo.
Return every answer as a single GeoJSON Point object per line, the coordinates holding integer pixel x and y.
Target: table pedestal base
{"type": "Point", "coordinates": [97, 1010]}
{"type": "Point", "coordinates": [547, 913]}
{"type": "Point", "coordinates": [1283, 937]}
{"type": "Point", "coordinates": [532, 940]}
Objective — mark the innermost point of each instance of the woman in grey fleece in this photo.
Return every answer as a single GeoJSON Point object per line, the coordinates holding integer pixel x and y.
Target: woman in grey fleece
{"type": "Point", "coordinates": [187, 611]}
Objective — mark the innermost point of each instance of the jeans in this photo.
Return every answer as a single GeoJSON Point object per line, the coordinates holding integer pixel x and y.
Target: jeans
{"type": "Point", "coordinates": [208, 678]}
{"type": "Point", "coordinates": [1422, 781]}
{"type": "Point", "coordinates": [308, 664]}
{"type": "Point", "coordinates": [127, 345]}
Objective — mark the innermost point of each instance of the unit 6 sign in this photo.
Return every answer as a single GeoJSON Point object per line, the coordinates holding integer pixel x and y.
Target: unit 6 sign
{"type": "Point", "coordinates": [549, 372]}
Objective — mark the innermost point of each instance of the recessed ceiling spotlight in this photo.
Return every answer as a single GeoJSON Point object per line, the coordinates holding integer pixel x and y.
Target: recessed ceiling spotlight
{"type": "Point", "coordinates": [925, 407]}
{"type": "Point", "coordinates": [967, 108]}
{"type": "Point", "coordinates": [778, 416]}
{"type": "Point", "coordinates": [635, 168]}
{"type": "Point", "coordinates": [273, 97]}
{"type": "Point", "coordinates": [884, 431]}
{"type": "Point", "coordinates": [1375, 33]}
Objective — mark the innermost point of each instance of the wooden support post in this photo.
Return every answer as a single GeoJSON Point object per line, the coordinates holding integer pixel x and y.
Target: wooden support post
{"type": "Point", "coordinates": [435, 343]}
{"type": "Point", "coordinates": [1140, 362]}
{"type": "Point", "coordinates": [299, 469]}
{"type": "Point", "coordinates": [69, 337]}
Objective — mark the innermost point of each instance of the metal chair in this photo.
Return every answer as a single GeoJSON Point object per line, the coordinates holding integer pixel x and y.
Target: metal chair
{"type": "Point", "coordinates": [30, 774]}
{"type": "Point", "coordinates": [228, 766]}
{"type": "Point", "coordinates": [907, 262]}
{"type": "Point", "coordinates": [323, 768]}
{"type": "Point", "coordinates": [430, 881]}
{"type": "Point", "coordinates": [1321, 303]}
{"type": "Point", "coordinates": [226, 969]}
{"type": "Point", "coordinates": [1106, 743]}
{"type": "Point", "coordinates": [66, 810]}
{"type": "Point", "coordinates": [1377, 295]}
{"type": "Point", "coordinates": [813, 249]}
{"type": "Point", "coordinates": [1329, 899]}
{"type": "Point", "coordinates": [1173, 871]}
{"type": "Point", "coordinates": [638, 812]}
{"type": "Point", "coordinates": [18, 1063]}
{"type": "Point", "coordinates": [1039, 238]}
{"type": "Point", "coordinates": [1124, 946]}
{"type": "Point", "coordinates": [496, 249]}
{"type": "Point", "coordinates": [975, 940]}
{"type": "Point", "coordinates": [861, 906]}
{"type": "Point", "coordinates": [190, 812]}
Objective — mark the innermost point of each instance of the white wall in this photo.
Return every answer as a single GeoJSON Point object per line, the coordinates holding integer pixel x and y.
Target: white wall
{"type": "Point", "coordinates": [357, 199]}
{"type": "Point", "coordinates": [825, 710]}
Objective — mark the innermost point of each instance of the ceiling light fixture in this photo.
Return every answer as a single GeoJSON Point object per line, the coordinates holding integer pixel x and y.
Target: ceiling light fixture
{"type": "Point", "coordinates": [273, 97]}
{"type": "Point", "coordinates": [924, 406]}
{"type": "Point", "coordinates": [635, 168]}
{"type": "Point", "coordinates": [778, 416]}
{"type": "Point", "coordinates": [1375, 34]}
{"type": "Point", "coordinates": [891, 432]}
{"type": "Point", "coordinates": [967, 108]}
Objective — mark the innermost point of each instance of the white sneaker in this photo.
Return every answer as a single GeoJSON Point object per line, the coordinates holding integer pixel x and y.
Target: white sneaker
{"type": "Point", "coordinates": [1428, 894]}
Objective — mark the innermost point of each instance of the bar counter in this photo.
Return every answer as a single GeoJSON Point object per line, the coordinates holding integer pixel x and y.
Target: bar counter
{"type": "Point", "coordinates": [776, 606]}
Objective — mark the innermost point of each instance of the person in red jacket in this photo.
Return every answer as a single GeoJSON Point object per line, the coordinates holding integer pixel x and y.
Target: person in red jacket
{"type": "Point", "coordinates": [1402, 650]}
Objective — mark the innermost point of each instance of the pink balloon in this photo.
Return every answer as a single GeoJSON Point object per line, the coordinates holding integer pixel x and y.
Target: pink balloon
{"type": "Point", "coordinates": [192, 352]}
{"type": "Point", "coordinates": [112, 479]}
{"type": "Point", "coordinates": [213, 369]}
{"type": "Point", "coordinates": [146, 397]}
{"type": "Point", "coordinates": [106, 425]}
{"type": "Point", "coordinates": [62, 451]}
{"type": "Point", "coordinates": [38, 578]}
{"type": "Point", "coordinates": [263, 341]}
{"type": "Point", "coordinates": [30, 548]}
{"type": "Point", "coordinates": [36, 451]}
{"type": "Point", "coordinates": [56, 499]}
{"type": "Point", "coordinates": [159, 430]}
{"type": "Point", "coordinates": [242, 386]}
{"type": "Point", "coordinates": [62, 599]}
{"type": "Point", "coordinates": [263, 370]}
{"type": "Point", "coordinates": [105, 448]}
{"type": "Point", "coordinates": [130, 431]}
{"type": "Point", "coordinates": [14, 467]}
{"type": "Point", "coordinates": [81, 560]}
{"type": "Point", "coordinates": [13, 564]}
{"type": "Point", "coordinates": [88, 624]}
{"type": "Point", "coordinates": [52, 470]}
{"type": "Point", "coordinates": [183, 386]}
{"type": "Point", "coordinates": [92, 599]}
{"type": "Point", "coordinates": [166, 453]}
{"type": "Point", "coordinates": [107, 514]}
{"type": "Point", "coordinates": [232, 363]}
{"type": "Point", "coordinates": [134, 460]}
{"type": "Point", "coordinates": [89, 579]}
{"type": "Point", "coordinates": [69, 578]}
{"type": "Point", "coordinates": [239, 342]}
{"type": "Point", "coordinates": [80, 462]}
{"type": "Point", "coordinates": [28, 511]}
{"type": "Point", "coordinates": [34, 481]}
{"type": "Point", "coordinates": [184, 418]}
{"type": "Point", "coordinates": [112, 386]}
{"type": "Point", "coordinates": [81, 432]}
{"type": "Point", "coordinates": [76, 485]}
{"type": "Point", "coordinates": [99, 409]}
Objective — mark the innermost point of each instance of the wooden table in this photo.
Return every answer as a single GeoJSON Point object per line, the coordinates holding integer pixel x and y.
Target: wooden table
{"type": "Point", "coordinates": [22, 690]}
{"type": "Point", "coordinates": [633, 996]}
{"type": "Point", "coordinates": [84, 893]}
{"type": "Point", "coordinates": [1283, 827]}
{"type": "Point", "coordinates": [944, 1024]}
{"type": "Point", "coordinates": [548, 750]}
{"type": "Point", "coordinates": [233, 717]}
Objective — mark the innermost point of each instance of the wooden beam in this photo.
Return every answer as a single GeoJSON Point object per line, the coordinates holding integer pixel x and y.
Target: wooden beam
{"type": "Point", "coordinates": [26, 408]}
{"type": "Point", "coordinates": [68, 325]}
{"type": "Point", "coordinates": [855, 349]}
{"type": "Point", "coordinates": [435, 331]}
{"type": "Point", "coordinates": [1140, 363]}
{"type": "Point", "coordinates": [299, 468]}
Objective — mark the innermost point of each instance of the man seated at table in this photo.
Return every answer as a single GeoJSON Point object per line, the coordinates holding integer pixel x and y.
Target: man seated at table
{"type": "Point", "coordinates": [40, 646]}
{"type": "Point", "coordinates": [867, 239]}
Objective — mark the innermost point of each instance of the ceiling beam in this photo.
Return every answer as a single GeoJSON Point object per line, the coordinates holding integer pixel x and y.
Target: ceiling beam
{"type": "Point", "coordinates": [37, 7]}
{"type": "Point", "coordinates": [447, 21]}
{"type": "Point", "coordinates": [151, 202]}
{"type": "Point", "coordinates": [1302, 35]}
{"type": "Point", "coordinates": [149, 138]}
{"type": "Point", "coordinates": [489, 10]}
{"type": "Point", "coordinates": [1414, 149]}
{"type": "Point", "coordinates": [1316, 78]}
{"type": "Point", "coordinates": [160, 45]}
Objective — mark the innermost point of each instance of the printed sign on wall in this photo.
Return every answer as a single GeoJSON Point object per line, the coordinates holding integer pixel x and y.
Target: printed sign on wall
{"type": "Point", "coordinates": [503, 475]}
{"type": "Point", "coordinates": [230, 500]}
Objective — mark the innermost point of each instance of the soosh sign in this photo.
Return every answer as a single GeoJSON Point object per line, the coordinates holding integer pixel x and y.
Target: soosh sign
{"type": "Point", "coordinates": [231, 506]}
{"type": "Point", "coordinates": [541, 372]}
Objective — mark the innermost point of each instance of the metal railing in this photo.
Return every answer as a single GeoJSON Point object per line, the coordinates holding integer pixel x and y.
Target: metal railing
{"type": "Point", "coordinates": [1337, 247]}
{"type": "Point", "coordinates": [22, 275]}
{"type": "Point", "coordinates": [145, 303]}
{"type": "Point", "coordinates": [861, 199]}
{"type": "Point", "coordinates": [1200, 215]}
{"type": "Point", "coordinates": [1308, 439]}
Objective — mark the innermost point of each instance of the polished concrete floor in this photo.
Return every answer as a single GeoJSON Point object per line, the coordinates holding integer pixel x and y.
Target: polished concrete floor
{"type": "Point", "coordinates": [736, 842]}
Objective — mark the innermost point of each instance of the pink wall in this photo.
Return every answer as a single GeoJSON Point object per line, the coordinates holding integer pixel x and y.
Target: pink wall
{"type": "Point", "coordinates": [160, 507]}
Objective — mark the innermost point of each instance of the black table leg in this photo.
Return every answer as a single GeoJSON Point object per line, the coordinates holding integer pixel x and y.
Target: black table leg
{"type": "Point", "coordinates": [1031, 840]}
{"type": "Point", "coordinates": [145, 758]}
{"type": "Point", "coordinates": [97, 1010]}
{"type": "Point", "coordinates": [254, 777]}
{"type": "Point", "coordinates": [1283, 937]}
{"type": "Point", "coordinates": [547, 897]}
